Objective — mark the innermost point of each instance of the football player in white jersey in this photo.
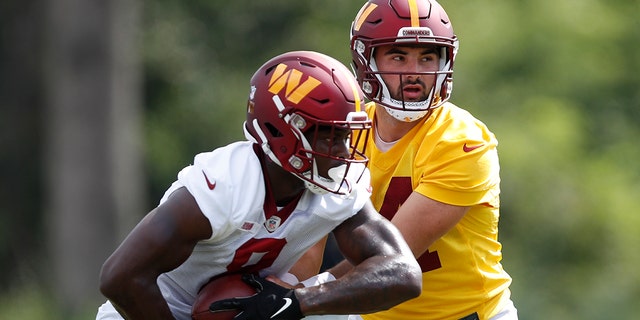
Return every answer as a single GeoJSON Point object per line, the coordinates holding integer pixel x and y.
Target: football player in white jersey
{"type": "Point", "coordinates": [255, 207]}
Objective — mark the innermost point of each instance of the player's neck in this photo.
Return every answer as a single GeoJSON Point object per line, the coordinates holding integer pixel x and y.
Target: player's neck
{"type": "Point", "coordinates": [390, 129]}
{"type": "Point", "coordinates": [285, 187]}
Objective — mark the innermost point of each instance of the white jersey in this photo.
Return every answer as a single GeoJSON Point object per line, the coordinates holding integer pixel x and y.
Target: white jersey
{"type": "Point", "coordinates": [249, 234]}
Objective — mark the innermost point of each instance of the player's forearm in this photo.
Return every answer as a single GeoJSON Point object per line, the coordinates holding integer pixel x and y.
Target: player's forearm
{"type": "Point", "coordinates": [341, 268]}
{"type": "Point", "coordinates": [140, 302]}
{"type": "Point", "coordinates": [140, 311]}
{"type": "Point", "coordinates": [377, 284]}
{"type": "Point", "coordinates": [159, 311]}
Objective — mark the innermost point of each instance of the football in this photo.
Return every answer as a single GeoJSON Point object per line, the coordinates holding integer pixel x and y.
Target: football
{"type": "Point", "coordinates": [219, 288]}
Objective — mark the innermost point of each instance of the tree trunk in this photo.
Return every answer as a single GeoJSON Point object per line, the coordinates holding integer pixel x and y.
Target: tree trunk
{"type": "Point", "coordinates": [93, 149]}
{"type": "Point", "coordinates": [21, 99]}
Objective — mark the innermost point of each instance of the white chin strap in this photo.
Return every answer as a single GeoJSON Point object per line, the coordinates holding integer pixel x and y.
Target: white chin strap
{"type": "Point", "coordinates": [264, 144]}
{"type": "Point", "coordinates": [407, 115]}
{"type": "Point", "coordinates": [341, 182]}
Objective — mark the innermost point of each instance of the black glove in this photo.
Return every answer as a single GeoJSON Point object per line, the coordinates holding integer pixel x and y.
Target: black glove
{"type": "Point", "coordinates": [271, 302]}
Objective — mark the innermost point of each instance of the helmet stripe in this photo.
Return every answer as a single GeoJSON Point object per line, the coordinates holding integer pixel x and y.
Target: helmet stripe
{"type": "Point", "coordinates": [363, 14]}
{"type": "Point", "coordinates": [413, 11]}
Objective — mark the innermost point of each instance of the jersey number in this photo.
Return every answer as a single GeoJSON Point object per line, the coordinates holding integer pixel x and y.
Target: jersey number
{"type": "Point", "coordinates": [256, 254]}
{"type": "Point", "coordinates": [397, 193]}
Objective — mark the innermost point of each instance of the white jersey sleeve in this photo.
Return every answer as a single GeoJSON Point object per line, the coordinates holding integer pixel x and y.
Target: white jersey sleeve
{"type": "Point", "coordinates": [225, 183]}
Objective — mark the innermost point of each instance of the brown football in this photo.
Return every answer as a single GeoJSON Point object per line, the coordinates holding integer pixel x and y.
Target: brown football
{"type": "Point", "coordinates": [219, 288]}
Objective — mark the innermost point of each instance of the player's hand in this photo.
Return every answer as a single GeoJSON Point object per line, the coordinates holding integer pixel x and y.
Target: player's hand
{"type": "Point", "coordinates": [271, 302]}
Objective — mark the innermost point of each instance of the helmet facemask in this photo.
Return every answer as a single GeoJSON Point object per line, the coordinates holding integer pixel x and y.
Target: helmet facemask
{"type": "Point", "coordinates": [342, 170]}
{"type": "Point", "coordinates": [377, 90]}
{"type": "Point", "coordinates": [304, 163]}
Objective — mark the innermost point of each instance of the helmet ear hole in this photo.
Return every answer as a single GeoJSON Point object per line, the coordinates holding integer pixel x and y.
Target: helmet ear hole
{"type": "Point", "coordinates": [273, 131]}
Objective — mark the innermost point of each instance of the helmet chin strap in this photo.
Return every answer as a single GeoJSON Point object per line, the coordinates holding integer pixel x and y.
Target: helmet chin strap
{"type": "Point", "coordinates": [407, 115]}
{"type": "Point", "coordinates": [336, 174]}
{"type": "Point", "coordinates": [341, 180]}
{"type": "Point", "coordinates": [264, 144]}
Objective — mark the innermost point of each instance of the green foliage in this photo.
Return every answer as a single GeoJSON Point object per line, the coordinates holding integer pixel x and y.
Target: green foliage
{"type": "Point", "coordinates": [565, 220]}
{"type": "Point", "coordinates": [26, 303]}
{"type": "Point", "coordinates": [31, 302]}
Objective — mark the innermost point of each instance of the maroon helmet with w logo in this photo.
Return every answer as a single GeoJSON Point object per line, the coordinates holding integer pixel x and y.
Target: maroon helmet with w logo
{"type": "Point", "coordinates": [291, 98]}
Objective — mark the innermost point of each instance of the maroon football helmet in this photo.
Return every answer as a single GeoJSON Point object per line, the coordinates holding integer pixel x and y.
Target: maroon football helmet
{"type": "Point", "coordinates": [402, 22]}
{"type": "Point", "coordinates": [298, 93]}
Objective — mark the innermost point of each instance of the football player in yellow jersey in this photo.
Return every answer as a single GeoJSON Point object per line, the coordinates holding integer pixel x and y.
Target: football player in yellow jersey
{"type": "Point", "coordinates": [434, 167]}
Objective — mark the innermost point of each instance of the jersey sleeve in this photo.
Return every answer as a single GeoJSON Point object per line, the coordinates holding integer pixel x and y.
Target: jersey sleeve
{"type": "Point", "coordinates": [227, 186]}
{"type": "Point", "coordinates": [463, 168]}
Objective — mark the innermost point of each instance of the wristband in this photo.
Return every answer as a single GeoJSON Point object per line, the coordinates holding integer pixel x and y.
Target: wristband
{"type": "Point", "coordinates": [289, 278]}
{"type": "Point", "coordinates": [319, 279]}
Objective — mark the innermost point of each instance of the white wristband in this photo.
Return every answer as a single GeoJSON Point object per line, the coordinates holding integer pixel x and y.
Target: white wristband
{"type": "Point", "coordinates": [319, 279]}
{"type": "Point", "coordinates": [289, 278]}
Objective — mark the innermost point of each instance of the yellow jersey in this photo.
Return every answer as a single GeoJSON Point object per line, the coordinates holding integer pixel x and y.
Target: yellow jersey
{"type": "Point", "coordinates": [450, 157]}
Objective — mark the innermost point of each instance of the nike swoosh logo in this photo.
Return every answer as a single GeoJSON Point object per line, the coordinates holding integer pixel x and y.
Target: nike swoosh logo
{"type": "Point", "coordinates": [465, 148]}
{"type": "Point", "coordinates": [287, 303]}
{"type": "Point", "coordinates": [209, 184]}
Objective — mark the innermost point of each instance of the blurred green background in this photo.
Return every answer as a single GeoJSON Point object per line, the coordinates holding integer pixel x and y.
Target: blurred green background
{"type": "Point", "coordinates": [103, 102]}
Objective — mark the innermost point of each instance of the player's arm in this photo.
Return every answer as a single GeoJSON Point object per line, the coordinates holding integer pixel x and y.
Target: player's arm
{"type": "Point", "coordinates": [422, 221]}
{"type": "Point", "coordinates": [437, 219]}
{"type": "Point", "coordinates": [309, 264]}
{"type": "Point", "coordinates": [162, 241]}
{"type": "Point", "coordinates": [384, 273]}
